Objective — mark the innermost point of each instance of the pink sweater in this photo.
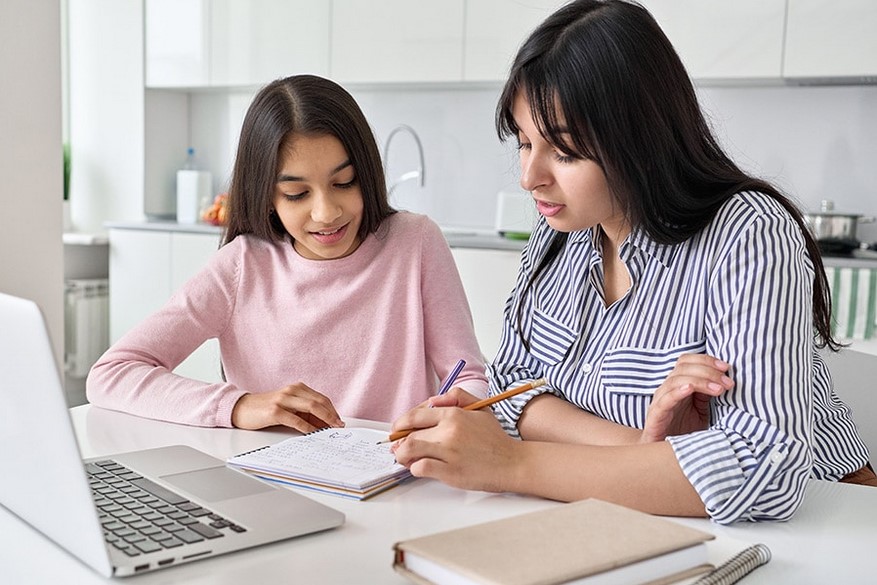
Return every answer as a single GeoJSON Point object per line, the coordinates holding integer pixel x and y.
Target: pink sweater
{"type": "Point", "coordinates": [373, 331]}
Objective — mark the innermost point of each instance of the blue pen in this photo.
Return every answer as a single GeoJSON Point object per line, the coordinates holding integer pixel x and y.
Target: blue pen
{"type": "Point", "coordinates": [449, 381]}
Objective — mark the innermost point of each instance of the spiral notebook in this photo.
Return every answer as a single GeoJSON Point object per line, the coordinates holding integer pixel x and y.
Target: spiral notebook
{"type": "Point", "coordinates": [347, 462]}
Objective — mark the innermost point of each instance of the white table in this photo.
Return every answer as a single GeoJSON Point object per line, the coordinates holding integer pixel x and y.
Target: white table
{"type": "Point", "coordinates": [832, 539]}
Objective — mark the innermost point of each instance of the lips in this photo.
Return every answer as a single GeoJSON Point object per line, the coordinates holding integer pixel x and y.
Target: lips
{"type": "Point", "coordinates": [548, 209]}
{"type": "Point", "coordinates": [330, 236]}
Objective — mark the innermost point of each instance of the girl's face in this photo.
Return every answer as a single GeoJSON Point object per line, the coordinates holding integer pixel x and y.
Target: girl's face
{"type": "Point", "coordinates": [571, 193]}
{"type": "Point", "coordinates": [318, 198]}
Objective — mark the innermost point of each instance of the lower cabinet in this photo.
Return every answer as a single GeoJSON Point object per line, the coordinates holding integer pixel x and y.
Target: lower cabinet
{"type": "Point", "coordinates": [146, 267]}
{"type": "Point", "coordinates": [488, 277]}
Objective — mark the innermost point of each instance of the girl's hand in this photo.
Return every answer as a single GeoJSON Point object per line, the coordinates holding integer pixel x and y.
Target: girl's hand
{"type": "Point", "coordinates": [464, 449]}
{"type": "Point", "coordinates": [296, 406]}
{"type": "Point", "coordinates": [682, 404]}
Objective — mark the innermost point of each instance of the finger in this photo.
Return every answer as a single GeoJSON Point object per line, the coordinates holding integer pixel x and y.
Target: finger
{"type": "Point", "coordinates": [417, 418]}
{"type": "Point", "coordinates": [312, 403]}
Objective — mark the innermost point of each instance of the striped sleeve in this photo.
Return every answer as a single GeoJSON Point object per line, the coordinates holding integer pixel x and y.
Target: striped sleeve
{"type": "Point", "coordinates": [754, 460]}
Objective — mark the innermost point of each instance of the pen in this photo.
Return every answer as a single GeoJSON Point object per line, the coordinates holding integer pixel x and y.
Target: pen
{"type": "Point", "coordinates": [478, 405]}
{"type": "Point", "coordinates": [449, 381]}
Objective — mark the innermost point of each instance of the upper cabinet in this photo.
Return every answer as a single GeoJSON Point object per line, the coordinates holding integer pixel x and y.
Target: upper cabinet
{"type": "Point", "coordinates": [725, 41]}
{"type": "Point", "coordinates": [828, 40]}
{"type": "Point", "coordinates": [397, 40]}
{"type": "Point", "coordinates": [494, 31]}
{"type": "Point", "coordinates": [235, 43]}
{"type": "Point", "coordinates": [218, 43]}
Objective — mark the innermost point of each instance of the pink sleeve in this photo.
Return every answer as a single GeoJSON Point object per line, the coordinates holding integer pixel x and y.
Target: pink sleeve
{"type": "Point", "coordinates": [135, 374]}
{"type": "Point", "coordinates": [449, 330]}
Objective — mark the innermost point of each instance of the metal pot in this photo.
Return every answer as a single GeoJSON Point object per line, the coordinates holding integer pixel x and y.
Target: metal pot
{"type": "Point", "coordinates": [829, 224]}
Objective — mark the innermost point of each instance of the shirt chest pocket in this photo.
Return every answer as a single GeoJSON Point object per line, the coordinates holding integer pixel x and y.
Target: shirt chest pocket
{"type": "Point", "coordinates": [640, 371]}
{"type": "Point", "coordinates": [550, 339]}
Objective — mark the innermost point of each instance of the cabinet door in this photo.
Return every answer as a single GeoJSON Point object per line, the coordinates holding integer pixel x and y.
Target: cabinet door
{"type": "Point", "coordinates": [720, 40]}
{"type": "Point", "coordinates": [488, 278]}
{"type": "Point", "coordinates": [139, 277]}
{"type": "Point", "coordinates": [397, 40]}
{"type": "Point", "coordinates": [495, 30]}
{"type": "Point", "coordinates": [177, 42]}
{"type": "Point", "coordinates": [189, 253]}
{"type": "Point", "coordinates": [828, 39]}
{"type": "Point", "coordinates": [256, 41]}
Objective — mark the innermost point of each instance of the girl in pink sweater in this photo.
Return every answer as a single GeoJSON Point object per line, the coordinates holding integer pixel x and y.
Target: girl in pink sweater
{"type": "Point", "coordinates": [326, 301]}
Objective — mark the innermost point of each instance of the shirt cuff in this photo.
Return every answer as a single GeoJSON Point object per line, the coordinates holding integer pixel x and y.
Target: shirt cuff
{"type": "Point", "coordinates": [731, 479]}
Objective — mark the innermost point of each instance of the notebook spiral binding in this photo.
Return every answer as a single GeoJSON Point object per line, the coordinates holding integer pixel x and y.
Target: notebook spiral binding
{"type": "Point", "coordinates": [737, 566]}
{"type": "Point", "coordinates": [251, 451]}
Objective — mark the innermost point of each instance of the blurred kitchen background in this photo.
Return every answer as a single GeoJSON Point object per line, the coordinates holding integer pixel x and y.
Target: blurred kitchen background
{"type": "Point", "coordinates": [790, 87]}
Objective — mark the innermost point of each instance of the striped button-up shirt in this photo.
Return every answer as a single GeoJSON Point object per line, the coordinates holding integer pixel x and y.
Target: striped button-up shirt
{"type": "Point", "coordinates": [740, 290]}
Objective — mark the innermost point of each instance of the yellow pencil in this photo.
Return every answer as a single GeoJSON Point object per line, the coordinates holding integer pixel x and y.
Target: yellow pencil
{"type": "Point", "coordinates": [478, 405]}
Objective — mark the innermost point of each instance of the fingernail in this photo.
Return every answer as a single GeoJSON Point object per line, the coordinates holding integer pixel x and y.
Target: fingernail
{"type": "Point", "coordinates": [722, 364]}
{"type": "Point", "coordinates": [714, 386]}
{"type": "Point", "coordinates": [727, 381]}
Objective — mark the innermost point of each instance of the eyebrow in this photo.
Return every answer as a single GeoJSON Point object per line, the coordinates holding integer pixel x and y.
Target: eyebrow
{"type": "Point", "coordinates": [293, 178]}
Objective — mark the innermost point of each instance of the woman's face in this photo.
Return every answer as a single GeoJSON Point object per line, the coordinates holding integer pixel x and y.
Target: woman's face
{"type": "Point", "coordinates": [318, 198]}
{"type": "Point", "coordinates": [571, 193]}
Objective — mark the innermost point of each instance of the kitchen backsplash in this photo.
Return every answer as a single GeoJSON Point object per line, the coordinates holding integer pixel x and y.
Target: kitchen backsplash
{"type": "Point", "coordinates": [814, 142]}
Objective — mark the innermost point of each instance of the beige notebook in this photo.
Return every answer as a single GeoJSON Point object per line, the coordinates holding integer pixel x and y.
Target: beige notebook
{"type": "Point", "coordinates": [590, 541]}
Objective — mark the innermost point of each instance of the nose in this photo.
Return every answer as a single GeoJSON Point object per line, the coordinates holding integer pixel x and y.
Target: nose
{"type": "Point", "coordinates": [534, 173]}
{"type": "Point", "coordinates": [325, 209]}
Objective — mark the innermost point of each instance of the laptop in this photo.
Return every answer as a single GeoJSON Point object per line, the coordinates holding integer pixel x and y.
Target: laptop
{"type": "Point", "coordinates": [132, 512]}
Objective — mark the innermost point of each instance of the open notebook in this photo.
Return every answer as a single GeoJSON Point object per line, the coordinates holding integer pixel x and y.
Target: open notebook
{"type": "Point", "coordinates": [349, 462]}
{"type": "Point", "coordinates": [131, 512]}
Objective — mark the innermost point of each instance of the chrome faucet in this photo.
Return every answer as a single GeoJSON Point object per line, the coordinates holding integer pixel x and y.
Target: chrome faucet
{"type": "Point", "coordinates": [415, 174]}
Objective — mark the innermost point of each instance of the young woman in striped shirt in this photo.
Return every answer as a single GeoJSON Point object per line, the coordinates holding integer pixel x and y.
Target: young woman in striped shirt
{"type": "Point", "coordinates": [674, 304]}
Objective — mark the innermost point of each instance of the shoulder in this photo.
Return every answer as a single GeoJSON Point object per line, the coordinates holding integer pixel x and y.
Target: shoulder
{"type": "Point", "coordinates": [750, 206]}
{"type": "Point", "coordinates": [408, 227]}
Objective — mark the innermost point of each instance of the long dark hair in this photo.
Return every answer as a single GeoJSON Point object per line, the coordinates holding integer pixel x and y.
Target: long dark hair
{"type": "Point", "coordinates": [608, 72]}
{"type": "Point", "coordinates": [309, 105]}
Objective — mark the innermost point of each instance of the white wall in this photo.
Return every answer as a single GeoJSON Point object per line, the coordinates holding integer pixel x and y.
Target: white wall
{"type": "Point", "coordinates": [814, 142]}
{"type": "Point", "coordinates": [31, 182]}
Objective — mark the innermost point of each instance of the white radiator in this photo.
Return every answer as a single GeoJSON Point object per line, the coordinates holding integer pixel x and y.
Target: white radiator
{"type": "Point", "coordinates": [86, 324]}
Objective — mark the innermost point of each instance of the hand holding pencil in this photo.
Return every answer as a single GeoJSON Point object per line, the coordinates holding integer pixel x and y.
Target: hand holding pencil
{"type": "Point", "coordinates": [395, 436]}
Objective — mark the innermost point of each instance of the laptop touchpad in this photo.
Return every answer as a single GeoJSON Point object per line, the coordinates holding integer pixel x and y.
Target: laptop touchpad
{"type": "Point", "coordinates": [216, 484]}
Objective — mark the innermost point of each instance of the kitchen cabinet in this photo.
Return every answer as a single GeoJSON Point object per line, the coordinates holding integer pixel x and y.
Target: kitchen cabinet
{"type": "Point", "coordinates": [828, 40]}
{"type": "Point", "coordinates": [233, 43]}
{"type": "Point", "coordinates": [146, 267]}
{"type": "Point", "coordinates": [725, 41]}
{"type": "Point", "coordinates": [488, 278]}
{"type": "Point", "coordinates": [494, 31]}
{"type": "Point", "coordinates": [397, 41]}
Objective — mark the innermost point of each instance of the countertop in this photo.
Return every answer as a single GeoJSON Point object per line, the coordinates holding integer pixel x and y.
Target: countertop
{"type": "Point", "coordinates": [457, 237]}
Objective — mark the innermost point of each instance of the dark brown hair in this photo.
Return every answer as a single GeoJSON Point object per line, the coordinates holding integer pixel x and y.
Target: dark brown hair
{"type": "Point", "coordinates": [307, 105]}
{"type": "Point", "coordinates": [606, 69]}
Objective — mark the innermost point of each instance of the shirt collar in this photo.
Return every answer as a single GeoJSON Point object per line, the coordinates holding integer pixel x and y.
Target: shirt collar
{"type": "Point", "coordinates": [638, 238]}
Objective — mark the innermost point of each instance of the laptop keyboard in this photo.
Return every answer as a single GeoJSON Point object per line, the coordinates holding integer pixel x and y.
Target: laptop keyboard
{"type": "Point", "coordinates": [139, 516]}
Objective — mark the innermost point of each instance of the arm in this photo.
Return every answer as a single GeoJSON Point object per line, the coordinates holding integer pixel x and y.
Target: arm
{"type": "Point", "coordinates": [136, 374]}
{"type": "Point", "coordinates": [469, 450]}
{"type": "Point", "coordinates": [448, 328]}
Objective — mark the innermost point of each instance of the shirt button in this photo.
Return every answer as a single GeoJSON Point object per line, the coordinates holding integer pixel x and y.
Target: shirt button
{"type": "Point", "coordinates": [587, 368]}
{"type": "Point", "coordinates": [776, 457]}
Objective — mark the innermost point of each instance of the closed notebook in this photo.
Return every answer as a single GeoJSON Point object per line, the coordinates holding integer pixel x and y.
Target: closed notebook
{"type": "Point", "coordinates": [590, 541]}
{"type": "Point", "coordinates": [347, 462]}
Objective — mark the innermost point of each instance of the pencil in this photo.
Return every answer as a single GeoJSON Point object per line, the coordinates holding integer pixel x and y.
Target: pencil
{"type": "Point", "coordinates": [478, 405]}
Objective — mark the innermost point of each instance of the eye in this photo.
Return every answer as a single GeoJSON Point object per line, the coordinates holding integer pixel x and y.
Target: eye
{"type": "Point", "coordinates": [295, 196]}
{"type": "Point", "coordinates": [564, 158]}
{"type": "Point", "coordinates": [346, 185]}
{"type": "Point", "coordinates": [524, 146]}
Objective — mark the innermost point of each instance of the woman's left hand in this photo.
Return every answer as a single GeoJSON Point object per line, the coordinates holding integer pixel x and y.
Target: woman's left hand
{"type": "Point", "coordinates": [681, 404]}
{"type": "Point", "coordinates": [464, 449]}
